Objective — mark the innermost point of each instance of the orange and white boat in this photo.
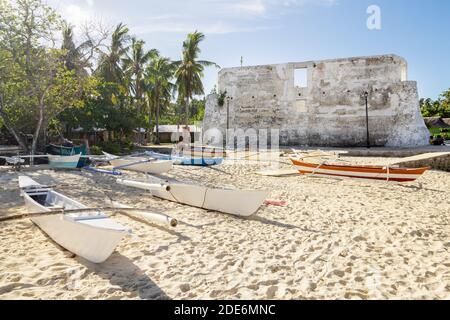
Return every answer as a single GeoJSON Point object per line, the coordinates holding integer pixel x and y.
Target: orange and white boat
{"type": "Point", "coordinates": [385, 173]}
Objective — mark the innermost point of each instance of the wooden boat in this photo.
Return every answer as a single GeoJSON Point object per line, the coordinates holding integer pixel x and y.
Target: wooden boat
{"type": "Point", "coordinates": [61, 162]}
{"type": "Point", "coordinates": [140, 164]}
{"type": "Point", "coordinates": [187, 161]}
{"type": "Point", "coordinates": [237, 202]}
{"type": "Point", "coordinates": [59, 150]}
{"type": "Point", "coordinates": [385, 173]}
{"type": "Point", "coordinates": [93, 236]}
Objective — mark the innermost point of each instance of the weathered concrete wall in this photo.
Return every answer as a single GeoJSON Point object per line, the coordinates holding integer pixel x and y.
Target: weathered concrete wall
{"type": "Point", "coordinates": [330, 111]}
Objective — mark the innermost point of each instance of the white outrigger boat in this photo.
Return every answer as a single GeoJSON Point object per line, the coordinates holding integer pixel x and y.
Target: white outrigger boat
{"type": "Point", "coordinates": [140, 164]}
{"type": "Point", "coordinates": [237, 202]}
{"type": "Point", "coordinates": [91, 235]}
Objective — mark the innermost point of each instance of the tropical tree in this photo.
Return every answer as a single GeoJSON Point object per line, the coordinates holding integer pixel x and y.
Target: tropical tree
{"type": "Point", "coordinates": [73, 55]}
{"type": "Point", "coordinates": [35, 85]}
{"type": "Point", "coordinates": [159, 74]}
{"type": "Point", "coordinates": [436, 108]}
{"type": "Point", "coordinates": [110, 65]}
{"type": "Point", "coordinates": [134, 67]}
{"type": "Point", "coordinates": [189, 71]}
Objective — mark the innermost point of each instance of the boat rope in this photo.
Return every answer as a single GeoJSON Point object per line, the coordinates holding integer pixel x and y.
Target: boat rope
{"type": "Point", "coordinates": [204, 198]}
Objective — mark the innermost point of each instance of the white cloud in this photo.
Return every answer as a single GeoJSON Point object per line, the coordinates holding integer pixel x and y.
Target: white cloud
{"type": "Point", "coordinates": [90, 3]}
{"type": "Point", "coordinates": [219, 27]}
{"type": "Point", "coordinates": [250, 6]}
{"type": "Point", "coordinates": [76, 15]}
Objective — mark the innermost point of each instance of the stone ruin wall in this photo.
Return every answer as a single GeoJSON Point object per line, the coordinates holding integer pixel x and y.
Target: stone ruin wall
{"type": "Point", "coordinates": [330, 110]}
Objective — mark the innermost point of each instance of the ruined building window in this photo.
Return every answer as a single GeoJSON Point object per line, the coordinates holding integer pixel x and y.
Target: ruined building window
{"type": "Point", "coordinates": [404, 73]}
{"type": "Point", "coordinates": [301, 77]}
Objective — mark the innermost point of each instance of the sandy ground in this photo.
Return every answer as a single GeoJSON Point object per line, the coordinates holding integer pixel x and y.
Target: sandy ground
{"type": "Point", "coordinates": [336, 239]}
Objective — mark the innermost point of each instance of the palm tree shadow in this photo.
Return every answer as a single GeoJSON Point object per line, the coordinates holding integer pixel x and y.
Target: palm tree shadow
{"type": "Point", "coordinates": [122, 272]}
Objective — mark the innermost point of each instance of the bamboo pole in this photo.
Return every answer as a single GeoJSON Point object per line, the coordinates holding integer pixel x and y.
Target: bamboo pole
{"type": "Point", "coordinates": [141, 212]}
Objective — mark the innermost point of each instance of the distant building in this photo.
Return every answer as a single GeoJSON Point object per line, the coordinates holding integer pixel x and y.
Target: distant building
{"type": "Point", "coordinates": [171, 133]}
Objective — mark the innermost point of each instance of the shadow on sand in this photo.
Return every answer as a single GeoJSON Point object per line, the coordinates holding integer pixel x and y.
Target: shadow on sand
{"type": "Point", "coordinates": [280, 224]}
{"type": "Point", "coordinates": [122, 272]}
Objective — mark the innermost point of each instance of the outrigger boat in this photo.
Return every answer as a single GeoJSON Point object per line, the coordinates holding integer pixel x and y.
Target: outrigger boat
{"type": "Point", "coordinates": [60, 150]}
{"type": "Point", "coordinates": [186, 160]}
{"type": "Point", "coordinates": [91, 235]}
{"type": "Point", "coordinates": [237, 202]}
{"type": "Point", "coordinates": [139, 164]}
{"type": "Point", "coordinates": [61, 162]}
{"type": "Point", "coordinates": [56, 162]}
{"type": "Point", "coordinates": [321, 164]}
{"type": "Point", "coordinates": [204, 152]}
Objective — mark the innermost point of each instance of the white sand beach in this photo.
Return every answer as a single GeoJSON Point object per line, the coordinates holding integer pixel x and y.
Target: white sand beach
{"type": "Point", "coordinates": [335, 239]}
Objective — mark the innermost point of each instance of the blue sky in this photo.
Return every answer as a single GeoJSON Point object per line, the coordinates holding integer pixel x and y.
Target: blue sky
{"type": "Point", "coordinates": [278, 31]}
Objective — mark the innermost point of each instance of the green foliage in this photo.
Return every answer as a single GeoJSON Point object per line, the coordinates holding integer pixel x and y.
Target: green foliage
{"type": "Point", "coordinates": [114, 147]}
{"type": "Point", "coordinates": [111, 147]}
{"type": "Point", "coordinates": [96, 150]}
{"type": "Point", "coordinates": [445, 133]}
{"type": "Point", "coordinates": [190, 71]}
{"type": "Point", "coordinates": [118, 86]}
{"type": "Point", "coordinates": [221, 98]}
{"type": "Point", "coordinates": [438, 108]}
{"type": "Point", "coordinates": [35, 84]}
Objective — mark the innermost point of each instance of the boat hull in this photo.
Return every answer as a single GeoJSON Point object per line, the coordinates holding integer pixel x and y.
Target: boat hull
{"type": "Point", "coordinates": [155, 167]}
{"type": "Point", "coordinates": [359, 172]}
{"type": "Point", "coordinates": [204, 152]}
{"type": "Point", "coordinates": [202, 162]}
{"type": "Point", "coordinates": [64, 162]}
{"type": "Point", "coordinates": [237, 202]}
{"type": "Point", "coordinates": [187, 161]}
{"type": "Point", "coordinates": [68, 151]}
{"type": "Point", "coordinates": [93, 238]}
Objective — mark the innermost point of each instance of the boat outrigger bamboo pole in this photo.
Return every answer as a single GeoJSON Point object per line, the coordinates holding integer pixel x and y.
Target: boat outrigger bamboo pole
{"type": "Point", "coordinates": [143, 185]}
{"type": "Point", "coordinates": [159, 218]}
{"type": "Point", "coordinates": [155, 217]}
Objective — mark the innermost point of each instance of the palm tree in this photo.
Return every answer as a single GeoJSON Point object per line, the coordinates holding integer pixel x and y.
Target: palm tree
{"type": "Point", "coordinates": [134, 67]}
{"type": "Point", "coordinates": [189, 71]}
{"type": "Point", "coordinates": [160, 88]}
{"type": "Point", "coordinates": [73, 55]}
{"type": "Point", "coordinates": [110, 66]}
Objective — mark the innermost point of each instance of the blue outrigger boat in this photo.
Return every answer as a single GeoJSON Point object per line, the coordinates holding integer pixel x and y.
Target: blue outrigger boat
{"type": "Point", "coordinates": [59, 150]}
{"type": "Point", "coordinates": [186, 161]}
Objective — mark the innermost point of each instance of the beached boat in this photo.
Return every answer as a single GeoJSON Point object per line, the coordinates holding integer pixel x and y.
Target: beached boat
{"type": "Point", "coordinates": [204, 152]}
{"type": "Point", "coordinates": [140, 164]}
{"type": "Point", "coordinates": [59, 150]}
{"type": "Point", "coordinates": [386, 173]}
{"type": "Point", "coordinates": [93, 236]}
{"type": "Point", "coordinates": [187, 161]}
{"type": "Point", "coordinates": [64, 162]}
{"type": "Point", "coordinates": [237, 202]}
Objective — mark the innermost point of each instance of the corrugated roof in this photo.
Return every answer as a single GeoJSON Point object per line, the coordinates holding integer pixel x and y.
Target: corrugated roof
{"type": "Point", "coordinates": [436, 122]}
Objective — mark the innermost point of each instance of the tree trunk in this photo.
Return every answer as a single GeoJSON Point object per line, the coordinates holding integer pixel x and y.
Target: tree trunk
{"type": "Point", "coordinates": [186, 111]}
{"type": "Point", "coordinates": [37, 133]}
{"type": "Point", "coordinates": [11, 130]}
{"type": "Point", "coordinates": [157, 142]}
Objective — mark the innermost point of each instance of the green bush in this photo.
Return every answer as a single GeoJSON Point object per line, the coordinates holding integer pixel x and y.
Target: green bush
{"type": "Point", "coordinates": [128, 146]}
{"type": "Point", "coordinates": [96, 150]}
{"type": "Point", "coordinates": [111, 147]}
